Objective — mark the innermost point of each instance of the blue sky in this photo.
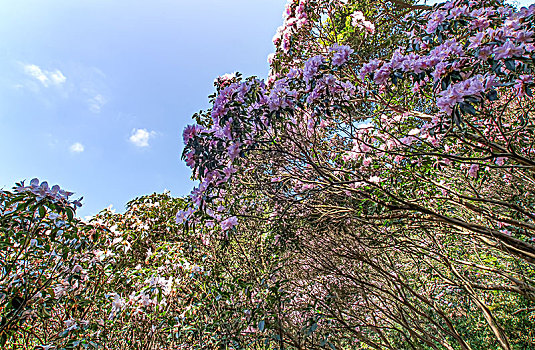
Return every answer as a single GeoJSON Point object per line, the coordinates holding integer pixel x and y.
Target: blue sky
{"type": "Point", "coordinates": [94, 94]}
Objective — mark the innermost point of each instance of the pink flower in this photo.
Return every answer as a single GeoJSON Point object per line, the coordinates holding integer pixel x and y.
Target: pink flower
{"type": "Point", "coordinates": [520, 85]}
{"type": "Point", "coordinates": [229, 171]}
{"type": "Point", "coordinates": [307, 186]}
{"type": "Point", "coordinates": [475, 41]}
{"type": "Point", "coordinates": [508, 50]}
{"type": "Point", "coordinates": [362, 147]}
{"type": "Point", "coordinates": [341, 54]}
{"type": "Point", "coordinates": [312, 66]}
{"type": "Point", "coordinates": [358, 20]}
{"type": "Point", "coordinates": [229, 223]}
{"type": "Point", "coordinates": [457, 12]}
{"type": "Point", "coordinates": [357, 16]}
{"type": "Point", "coordinates": [183, 215]}
{"type": "Point", "coordinates": [481, 23]}
{"type": "Point", "coordinates": [226, 78]}
{"type": "Point", "coordinates": [455, 93]}
{"type": "Point", "coordinates": [369, 67]}
{"type": "Point", "coordinates": [474, 168]}
{"type": "Point", "coordinates": [190, 159]}
{"type": "Point", "coordinates": [234, 150]}
{"type": "Point", "coordinates": [436, 19]}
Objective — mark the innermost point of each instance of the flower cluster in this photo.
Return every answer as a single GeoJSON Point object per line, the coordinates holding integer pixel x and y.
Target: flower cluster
{"type": "Point", "coordinates": [295, 17]}
{"type": "Point", "coordinates": [42, 191]}
{"type": "Point", "coordinates": [455, 93]}
{"type": "Point", "coordinates": [242, 113]}
{"type": "Point", "coordinates": [358, 20]}
{"type": "Point", "coordinates": [341, 54]}
{"type": "Point", "coordinates": [496, 43]}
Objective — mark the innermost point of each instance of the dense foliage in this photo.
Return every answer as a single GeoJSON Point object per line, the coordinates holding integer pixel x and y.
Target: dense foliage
{"type": "Point", "coordinates": [390, 159]}
{"type": "Point", "coordinates": [120, 281]}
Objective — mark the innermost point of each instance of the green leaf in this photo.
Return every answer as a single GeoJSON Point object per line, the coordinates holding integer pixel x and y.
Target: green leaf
{"type": "Point", "coordinates": [70, 214]}
{"type": "Point", "coordinates": [467, 108]}
{"type": "Point", "coordinates": [457, 117]}
{"type": "Point", "coordinates": [510, 64]}
{"type": "Point", "coordinates": [492, 95]}
{"type": "Point", "coordinates": [261, 325]}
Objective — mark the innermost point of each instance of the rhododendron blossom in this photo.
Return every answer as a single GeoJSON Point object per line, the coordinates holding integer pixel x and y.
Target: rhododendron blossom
{"type": "Point", "coordinates": [229, 223]}
{"type": "Point", "coordinates": [340, 54]}
{"type": "Point", "coordinates": [358, 20]}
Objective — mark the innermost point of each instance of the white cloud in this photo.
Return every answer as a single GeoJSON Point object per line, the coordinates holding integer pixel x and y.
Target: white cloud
{"type": "Point", "coordinates": [140, 137]}
{"type": "Point", "coordinates": [77, 147]}
{"type": "Point", "coordinates": [45, 77]}
{"type": "Point", "coordinates": [56, 77]}
{"type": "Point", "coordinates": [96, 103]}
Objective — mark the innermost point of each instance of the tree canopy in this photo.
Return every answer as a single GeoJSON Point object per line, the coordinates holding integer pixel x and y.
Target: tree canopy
{"type": "Point", "coordinates": [375, 192]}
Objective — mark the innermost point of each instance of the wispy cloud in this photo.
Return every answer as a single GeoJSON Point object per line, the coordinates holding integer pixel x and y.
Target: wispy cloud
{"type": "Point", "coordinates": [96, 103]}
{"type": "Point", "coordinates": [45, 77]}
{"type": "Point", "coordinates": [93, 87]}
{"type": "Point", "coordinates": [77, 147]}
{"type": "Point", "coordinates": [140, 137]}
{"type": "Point", "coordinates": [84, 84]}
